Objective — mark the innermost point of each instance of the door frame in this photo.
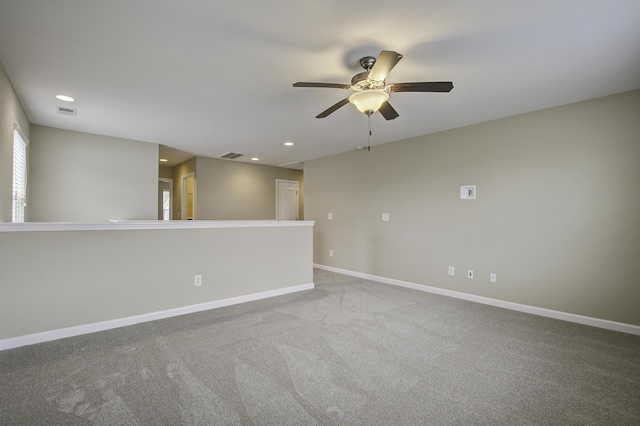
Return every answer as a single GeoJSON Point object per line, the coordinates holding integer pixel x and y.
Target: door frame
{"type": "Point", "coordinates": [288, 182]}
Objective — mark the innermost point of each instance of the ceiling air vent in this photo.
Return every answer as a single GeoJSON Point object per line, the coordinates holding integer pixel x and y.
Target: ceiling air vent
{"type": "Point", "coordinates": [66, 111]}
{"type": "Point", "coordinates": [230, 155]}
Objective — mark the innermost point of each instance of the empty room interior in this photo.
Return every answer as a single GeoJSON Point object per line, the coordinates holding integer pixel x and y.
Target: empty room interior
{"type": "Point", "coordinates": [419, 212]}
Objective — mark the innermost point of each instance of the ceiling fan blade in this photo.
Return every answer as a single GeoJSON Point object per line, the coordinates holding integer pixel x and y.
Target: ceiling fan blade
{"type": "Point", "coordinates": [425, 86]}
{"type": "Point", "coordinates": [388, 112]}
{"type": "Point", "coordinates": [332, 108]}
{"type": "Point", "coordinates": [384, 64]}
{"type": "Point", "coordinates": [327, 85]}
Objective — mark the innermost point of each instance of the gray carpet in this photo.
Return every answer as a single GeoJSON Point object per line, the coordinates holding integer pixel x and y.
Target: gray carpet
{"type": "Point", "coordinates": [349, 352]}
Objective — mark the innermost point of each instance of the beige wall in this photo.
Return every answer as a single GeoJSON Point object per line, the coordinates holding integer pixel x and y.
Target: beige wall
{"type": "Point", "coordinates": [239, 191]}
{"type": "Point", "coordinates": [56, 279]}
{"type": "Point", "coordinates": [11, 112]}
{"type": "Point", "coordinates": [557, 215]}
{"type": "Point", "coordinates": [82, 177]}
{"type": "Point", "coordinates": [165, 172]}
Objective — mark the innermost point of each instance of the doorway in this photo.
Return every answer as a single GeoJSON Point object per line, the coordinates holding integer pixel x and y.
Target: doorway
{"type": "Point", "coordinates": [187, 210]}
{"type": "Point", "coordinates": [165, 199]}
{"type": "Point", "coordinates": [287, 199]}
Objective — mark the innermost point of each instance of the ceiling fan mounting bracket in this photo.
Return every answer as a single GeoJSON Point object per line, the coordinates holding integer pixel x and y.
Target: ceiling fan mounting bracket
{"type": "Point", "coordinates": [367, 62]}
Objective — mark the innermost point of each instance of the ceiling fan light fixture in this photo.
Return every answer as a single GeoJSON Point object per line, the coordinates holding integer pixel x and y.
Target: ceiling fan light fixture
{"type": "Point", "coordinates": [369, 101]}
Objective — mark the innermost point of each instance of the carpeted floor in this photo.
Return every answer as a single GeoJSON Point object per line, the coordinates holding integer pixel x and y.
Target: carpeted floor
{"type": "Point", "coordinates": [350, 352]}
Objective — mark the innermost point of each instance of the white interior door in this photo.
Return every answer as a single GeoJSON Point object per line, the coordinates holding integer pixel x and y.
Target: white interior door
{"type": "Point", "coordinates": [287, 199]}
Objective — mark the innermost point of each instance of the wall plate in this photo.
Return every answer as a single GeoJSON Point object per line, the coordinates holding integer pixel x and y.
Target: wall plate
{"type": "Point", "coordinates": [468, 192]}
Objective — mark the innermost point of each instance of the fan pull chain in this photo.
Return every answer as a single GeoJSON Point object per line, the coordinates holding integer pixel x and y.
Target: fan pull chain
{"type": "Point", "coordinates": [369, 147]}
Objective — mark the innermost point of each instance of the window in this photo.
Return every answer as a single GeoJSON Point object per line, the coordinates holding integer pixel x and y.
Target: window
{"type": "Point", "coordinates": [19, 175]}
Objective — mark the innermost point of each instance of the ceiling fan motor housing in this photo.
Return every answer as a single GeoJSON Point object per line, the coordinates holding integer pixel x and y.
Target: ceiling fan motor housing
{"type": "Point", "coordinates": [359, 77]}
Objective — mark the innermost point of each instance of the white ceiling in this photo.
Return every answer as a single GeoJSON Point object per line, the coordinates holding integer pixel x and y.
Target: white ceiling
{"type": "Point", "coordinates": [208, 77]}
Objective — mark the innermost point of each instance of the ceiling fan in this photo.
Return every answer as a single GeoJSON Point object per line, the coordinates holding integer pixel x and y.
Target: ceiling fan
{"type": "Point", "coordinates": [370, 92]}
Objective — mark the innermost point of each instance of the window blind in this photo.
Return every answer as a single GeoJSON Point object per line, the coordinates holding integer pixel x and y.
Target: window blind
{"type": "Point", "coordinates": [19, 175]}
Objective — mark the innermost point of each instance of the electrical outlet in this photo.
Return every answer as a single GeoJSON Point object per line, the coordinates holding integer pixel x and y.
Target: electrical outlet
{"type": "Point", "coordinates": [330, 216]}
{"type": "Point", "coordinates": [493, 277]}
{"type": "Point", "coordinates": [330, 253]}
{"type": "Point", "coordinates": [470, 274]}
{"type": "Point", "coordinates": [197, 280]}
{"type": "Point", "coordinates": [468, 192]}
{"type": "Point", "coordinates": [385, 217]}
{"type": "Point", "coordinates": [452, 271]}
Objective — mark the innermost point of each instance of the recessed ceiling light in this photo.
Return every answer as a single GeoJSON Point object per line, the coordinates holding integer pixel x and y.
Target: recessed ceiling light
{"type": "Point", "coordinates": [255, 159]}
{"type": "Point", "coordinates": [65, 98]}
{"type": "Point", "coordinates": [163, 160]}
{"type": "Point", "coordinates": [288, 143]}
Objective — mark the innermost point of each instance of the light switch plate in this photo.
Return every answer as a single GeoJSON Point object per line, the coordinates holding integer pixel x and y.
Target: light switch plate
{"type": "Point", "coordinates": [385, 217]}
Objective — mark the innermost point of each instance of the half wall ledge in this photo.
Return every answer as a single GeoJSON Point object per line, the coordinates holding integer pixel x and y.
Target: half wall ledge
{"type": "Point", "coordinates": [148, 224]}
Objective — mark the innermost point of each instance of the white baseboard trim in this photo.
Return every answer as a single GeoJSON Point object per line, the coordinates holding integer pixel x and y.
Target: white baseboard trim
{"type": "Point", "coordinates": [46, 336]}
{"type": "Point", "coordinates": [580, 319]}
